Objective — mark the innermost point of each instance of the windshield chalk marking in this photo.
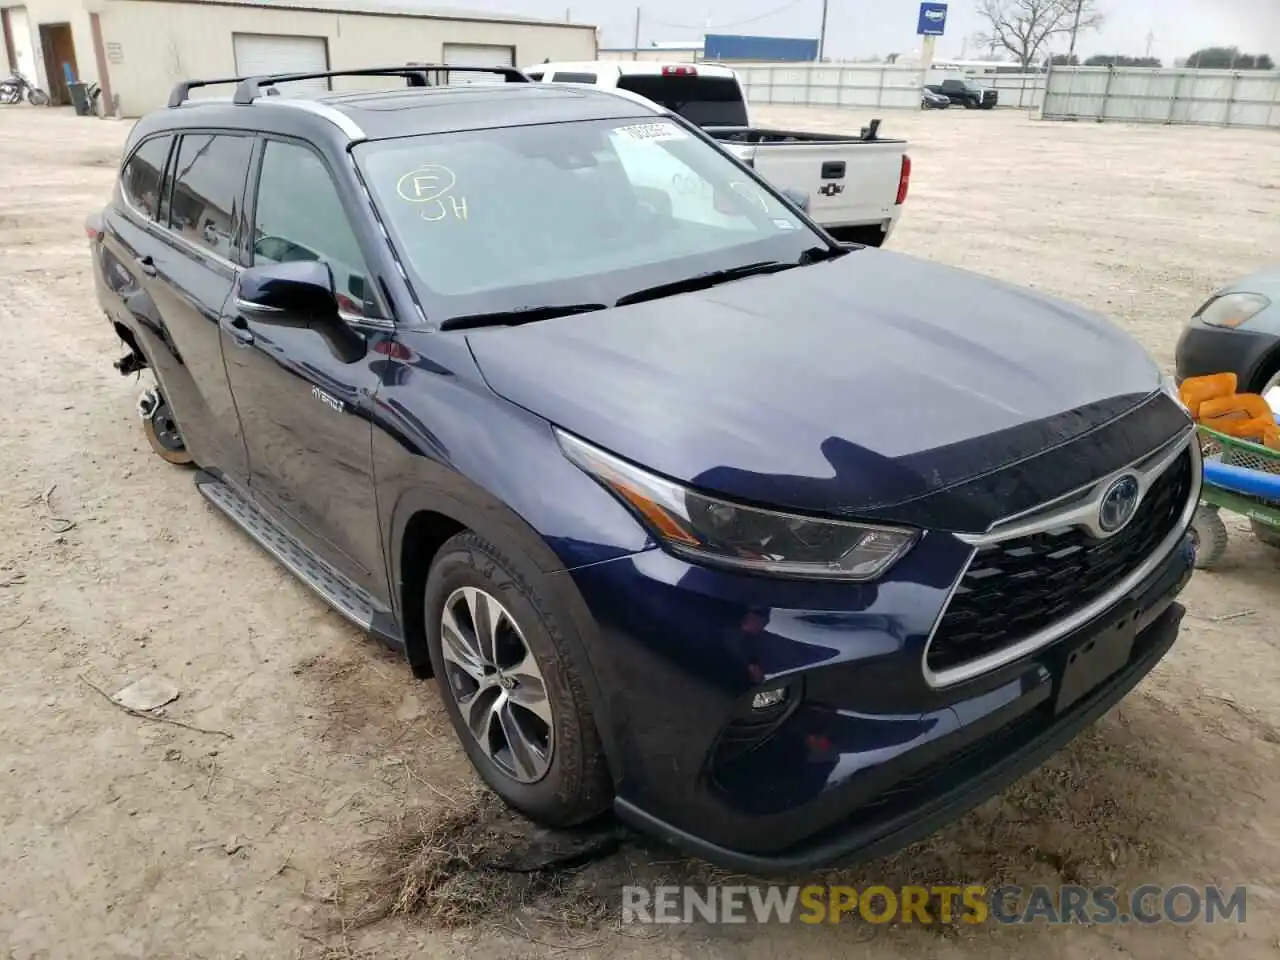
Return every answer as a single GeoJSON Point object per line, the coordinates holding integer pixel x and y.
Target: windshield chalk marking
{"type": "Point", "coordinates": [430, 185]}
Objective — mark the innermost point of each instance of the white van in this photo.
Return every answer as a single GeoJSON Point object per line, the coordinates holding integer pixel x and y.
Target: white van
{"type": "Point", "coordinates": [855, 185]}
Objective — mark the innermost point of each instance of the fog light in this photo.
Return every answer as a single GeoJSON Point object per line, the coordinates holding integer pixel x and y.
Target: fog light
{"type": "Point", "coordinates": [767, 699]}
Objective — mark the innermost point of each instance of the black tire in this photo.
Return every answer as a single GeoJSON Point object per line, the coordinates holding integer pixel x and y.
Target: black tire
{"type": "Point", "coordinates": [970, 105]}
{"type": "Point", "coordinates": [37, 98]}
{"type": "Point", "coordinates": [576, 785]}
{"type": "Point", "coordinates": [1209, 534]}
{"type": "Point", "coordinates": [1264, 534]}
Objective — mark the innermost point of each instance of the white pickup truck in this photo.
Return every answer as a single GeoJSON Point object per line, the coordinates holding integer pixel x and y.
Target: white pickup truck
{"type": "Point", "coordinates": [855, 185]}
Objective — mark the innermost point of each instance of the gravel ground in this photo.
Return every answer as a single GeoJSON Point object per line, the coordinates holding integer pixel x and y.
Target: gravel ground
{"type": "Point", "coordinates": [121, 837]}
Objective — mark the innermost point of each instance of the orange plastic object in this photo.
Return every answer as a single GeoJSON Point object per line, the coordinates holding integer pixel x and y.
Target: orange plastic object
{"type": "Point", "coordinates": [1259, 429]}
{"type": "Point", "coordinates": [1238, 406]}
{"type": "Point", "coordinates": [1196, 390]}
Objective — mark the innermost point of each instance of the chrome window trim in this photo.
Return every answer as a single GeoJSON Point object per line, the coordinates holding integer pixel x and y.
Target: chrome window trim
{"type": "Point", "coordinates": [1071, 512]}
{"type": "Point", "coordinates": [349, 127]}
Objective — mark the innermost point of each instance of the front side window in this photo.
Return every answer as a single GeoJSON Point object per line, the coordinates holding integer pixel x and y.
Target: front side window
{"type": "Point", "coordinates": [209, 173]}
{"type": "Point", "coordinates": [299, 216]}
{"type": "Point", "coordinates": [568, 77]}
{"type": "Point", "coordinates": [140, 180]}
{"type": "Point", "coordinates": [499, 219]}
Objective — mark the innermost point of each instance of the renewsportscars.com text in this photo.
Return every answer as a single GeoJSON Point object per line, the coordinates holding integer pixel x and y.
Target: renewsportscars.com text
{"type": "Point", "coordinates": [961, 903]}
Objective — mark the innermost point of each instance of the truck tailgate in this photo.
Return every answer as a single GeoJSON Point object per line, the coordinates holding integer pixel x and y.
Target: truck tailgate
{"type": "Point", "coordinates": [848, 183]}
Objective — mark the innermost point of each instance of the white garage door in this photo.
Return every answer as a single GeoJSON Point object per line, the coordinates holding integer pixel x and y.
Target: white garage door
{"type": "Point", "coordinates": [20, 28]}
{"type": "Point", "coordinates": [478, 55]}
{"type": "Point", "coordinates": [258, 53]}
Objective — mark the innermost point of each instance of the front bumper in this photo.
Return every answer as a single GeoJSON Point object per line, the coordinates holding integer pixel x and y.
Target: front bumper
{"type": "Point", "coordinates": [1204, 350]}
{"type": "Point", "coordinates": [871, 758]}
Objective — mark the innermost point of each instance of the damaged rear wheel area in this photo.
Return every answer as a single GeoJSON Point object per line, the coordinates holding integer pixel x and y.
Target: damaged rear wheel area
{"type": "Point", "coordinates": [158, 421]}
{"type": "Point", "coordinates": [161, 428]}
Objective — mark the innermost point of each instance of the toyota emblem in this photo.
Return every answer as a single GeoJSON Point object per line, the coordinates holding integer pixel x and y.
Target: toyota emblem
{"type": "Point", "coordinates": [1119, 504]}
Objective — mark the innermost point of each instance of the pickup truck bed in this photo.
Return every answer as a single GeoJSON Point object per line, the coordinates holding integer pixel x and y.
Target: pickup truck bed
{"type": "Point", "coordinates": [856, 184]}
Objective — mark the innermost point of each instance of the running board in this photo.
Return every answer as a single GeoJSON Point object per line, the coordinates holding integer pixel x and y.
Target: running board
{"type": "Point", "coordinates": [350, 600]}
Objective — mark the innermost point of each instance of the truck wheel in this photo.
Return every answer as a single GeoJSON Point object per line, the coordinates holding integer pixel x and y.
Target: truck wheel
{"type": "Point", "coordinates": [1209, 534]}
{"type": "Point", "coordinates": [500, 656]}
{"type": "Point", "coordinates": [161, 429]}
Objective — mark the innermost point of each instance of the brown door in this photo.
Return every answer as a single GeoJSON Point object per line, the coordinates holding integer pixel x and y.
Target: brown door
{"type": "Point", "coordinates": [59, 54]}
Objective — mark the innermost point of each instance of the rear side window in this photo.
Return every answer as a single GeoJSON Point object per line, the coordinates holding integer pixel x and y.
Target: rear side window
{"type": "Point", "coordinates": [565, 77]}
{"type": "Point", "coordinates": [140, 179]}
{"type": "Point", "coordinates": [208, 190]}
{"type": "Point", "coordinates": [705, 101]}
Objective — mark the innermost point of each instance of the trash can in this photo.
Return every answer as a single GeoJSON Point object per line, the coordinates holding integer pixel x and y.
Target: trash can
{"type": "Point", "coordinates": [79, 98]}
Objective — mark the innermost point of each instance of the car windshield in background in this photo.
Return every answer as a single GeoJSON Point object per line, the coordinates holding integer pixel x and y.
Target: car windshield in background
{"type": "Point", "coordinates": [587, 212]}
{"type": "Point", "coordinates": [705, 101]}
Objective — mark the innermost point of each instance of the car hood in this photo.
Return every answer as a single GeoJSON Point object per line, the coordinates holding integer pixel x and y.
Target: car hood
{"type": "Point", "coordinates": [842, 387]}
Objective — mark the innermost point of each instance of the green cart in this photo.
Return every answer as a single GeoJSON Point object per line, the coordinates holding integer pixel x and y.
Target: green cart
{"type": "Point", "coordinates": [1242, 477]}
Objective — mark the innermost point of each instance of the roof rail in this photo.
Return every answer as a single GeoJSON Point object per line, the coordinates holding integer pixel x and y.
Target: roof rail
{"type": "Point", "coordinates": [182, 91]}
{"type": "Point", "coordinates": [249, 89]}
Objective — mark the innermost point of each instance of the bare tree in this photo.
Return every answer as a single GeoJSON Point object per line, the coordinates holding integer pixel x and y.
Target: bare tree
{"type": "Point", "coordinates": [1024, 27]}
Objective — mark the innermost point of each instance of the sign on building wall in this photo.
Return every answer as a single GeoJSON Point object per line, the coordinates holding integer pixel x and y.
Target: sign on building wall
{"type": "Point", "coordinates": [933, 20]}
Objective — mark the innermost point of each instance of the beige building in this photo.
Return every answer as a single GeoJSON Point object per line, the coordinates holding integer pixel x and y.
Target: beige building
{"type": "Point", "coordinates": [136, 50]}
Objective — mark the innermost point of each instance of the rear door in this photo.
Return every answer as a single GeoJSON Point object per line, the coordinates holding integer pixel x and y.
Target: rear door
{"type": "Point", "coordinates": [168, 255]}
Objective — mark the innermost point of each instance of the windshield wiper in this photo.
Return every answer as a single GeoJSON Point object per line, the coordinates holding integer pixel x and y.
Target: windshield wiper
{"type": "Point", "coordinates": [703, 281]}
{"type": "Point", "coordinates": [511, 318]}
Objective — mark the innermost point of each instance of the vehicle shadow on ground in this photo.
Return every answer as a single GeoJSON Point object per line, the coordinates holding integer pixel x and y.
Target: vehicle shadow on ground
{"type": "Point", "coordinates": [1148, 794]}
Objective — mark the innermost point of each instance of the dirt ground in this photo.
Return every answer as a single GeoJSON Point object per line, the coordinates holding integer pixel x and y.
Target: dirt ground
{"type": "Point", "coordinates": [121, 837]}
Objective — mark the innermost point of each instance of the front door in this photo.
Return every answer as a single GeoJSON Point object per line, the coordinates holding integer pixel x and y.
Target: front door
{"type": "Point", "coordinates": [304, 409]}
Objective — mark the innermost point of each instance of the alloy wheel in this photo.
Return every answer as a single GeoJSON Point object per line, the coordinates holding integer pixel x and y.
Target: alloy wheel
{"type": "Point", "coordinates": [496, 683]}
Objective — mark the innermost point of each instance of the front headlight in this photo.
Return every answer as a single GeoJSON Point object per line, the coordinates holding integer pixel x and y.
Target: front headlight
{"type": "Point", "coordinates": [716, 532]}
{"type": "Point", "coordinates": [1232, 309]}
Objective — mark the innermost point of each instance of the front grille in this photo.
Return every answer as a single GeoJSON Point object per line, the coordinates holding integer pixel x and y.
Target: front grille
{"type": "Point", "coordinates": [1017, 587]}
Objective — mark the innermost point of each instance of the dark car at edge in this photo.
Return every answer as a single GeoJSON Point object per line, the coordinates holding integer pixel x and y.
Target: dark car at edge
{"type": "Point", "coordinates": [784, 550]}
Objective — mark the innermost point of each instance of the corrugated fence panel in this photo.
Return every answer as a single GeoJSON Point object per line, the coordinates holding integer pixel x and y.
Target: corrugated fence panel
{"type": "Point", "coordinates": [1130, 94]}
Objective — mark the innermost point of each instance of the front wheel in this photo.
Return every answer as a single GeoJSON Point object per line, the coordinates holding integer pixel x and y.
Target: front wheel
{"type": "Point", "coordinates": [1209, 536]}
{"type": "Point", "coordinates": [37, 98]}
{"type": "Point", "coordinates": [500, 656]}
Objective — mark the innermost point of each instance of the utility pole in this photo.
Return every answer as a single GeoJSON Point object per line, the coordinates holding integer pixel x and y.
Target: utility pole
{"type": "Point", "coordinates": [1075, 29]}
{"type": "Point", "coordinates": [635, 41]}
{"type": "Point", "coordinates": [1151, 41]}
{"type": "Point", "coordinates": [822, 32]}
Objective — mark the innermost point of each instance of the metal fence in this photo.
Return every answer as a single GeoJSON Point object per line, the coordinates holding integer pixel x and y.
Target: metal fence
{"type": "Point", "coordinates": [1240, 98]}
{"type": "Point", "coordinates": [887, 86]}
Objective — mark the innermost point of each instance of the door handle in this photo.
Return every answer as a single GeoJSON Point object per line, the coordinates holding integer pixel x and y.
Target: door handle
{"type": "Point", "coordinates": [237, 328]}
{"type": "Point", "coordinates": [147, 265]}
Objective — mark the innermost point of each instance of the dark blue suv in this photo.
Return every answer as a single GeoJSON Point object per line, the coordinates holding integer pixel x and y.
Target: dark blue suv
{"type": "Point", "coordinates": [785, 550]}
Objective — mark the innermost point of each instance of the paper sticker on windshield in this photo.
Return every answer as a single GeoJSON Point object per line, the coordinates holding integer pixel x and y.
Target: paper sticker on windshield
{"type": "Point", "coordinates": [652, 132]}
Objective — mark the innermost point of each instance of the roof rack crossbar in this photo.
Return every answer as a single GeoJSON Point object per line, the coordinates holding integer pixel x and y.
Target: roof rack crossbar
{"type": "Point", "coordinates": [182, 91]}
{"type": "Point", "coordinates": [249, 89]}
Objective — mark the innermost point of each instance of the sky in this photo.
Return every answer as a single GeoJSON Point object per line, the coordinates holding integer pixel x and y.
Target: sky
{"type": "Point", "coordinates": [875, 28]}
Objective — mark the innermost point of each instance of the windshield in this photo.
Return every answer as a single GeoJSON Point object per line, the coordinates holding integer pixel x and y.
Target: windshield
{"type": "Point", "coordinates": [515, 217]}
{"type": "Point", "coordinates": [704, 101]}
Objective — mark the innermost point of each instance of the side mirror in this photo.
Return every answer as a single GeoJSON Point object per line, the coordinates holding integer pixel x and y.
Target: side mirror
{"type": "Point", "coordinates": [798, 197]}
{"type": "Point", "coordinates": [293, 291]}
{"type": "Point", "coordinates": [299, 294]}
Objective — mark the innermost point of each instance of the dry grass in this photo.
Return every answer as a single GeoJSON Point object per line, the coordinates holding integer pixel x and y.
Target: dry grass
{"type": "Point", "coordinates": [478, 862]}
